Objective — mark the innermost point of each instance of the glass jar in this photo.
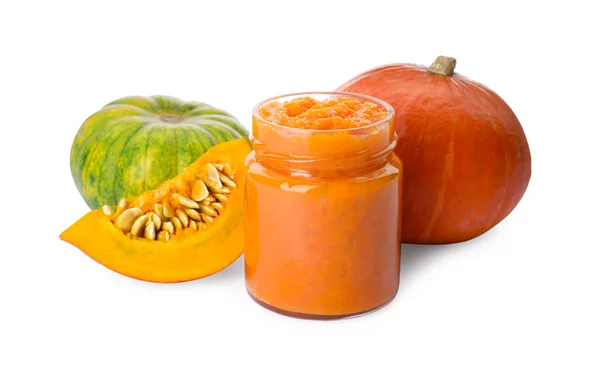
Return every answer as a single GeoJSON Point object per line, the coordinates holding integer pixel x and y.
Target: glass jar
{"type": "Point", "coordinates": [322, 219]}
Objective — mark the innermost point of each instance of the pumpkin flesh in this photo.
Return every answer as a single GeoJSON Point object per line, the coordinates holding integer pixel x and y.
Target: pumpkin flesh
{"type": "Point", "coordinates": [189, 254]}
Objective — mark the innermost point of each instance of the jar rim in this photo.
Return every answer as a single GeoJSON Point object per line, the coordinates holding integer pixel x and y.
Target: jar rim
{"type": "Point", "coordinates": [386, 119]}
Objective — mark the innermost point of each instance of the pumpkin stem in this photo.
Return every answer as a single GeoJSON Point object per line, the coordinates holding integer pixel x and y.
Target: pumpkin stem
{"type": "Point", "coordinates": [443, 66]}
{"type": "Point", "coordinates": [170, 118]}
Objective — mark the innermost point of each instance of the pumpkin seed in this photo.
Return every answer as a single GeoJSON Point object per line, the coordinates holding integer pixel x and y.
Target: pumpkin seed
{"type": "Point", "coordinates": [206, 218]}
{"type": "Point", "coordinates": [168, 210]}
{"type": "Point", "coordinates": [150, 232]}
{"type": "Point", "coordinates": [227, 170]}
{"type": "Point", "coordinates": [108, 210]}
{"type": "Point", "coordinates": [208, 210]}
{"type": "Point", "coordinates": [201, 206]}
{"type": "Point", "coordinates": [193, 214]}
{"type": "Point", "coordinates": [223, 190]}
{"type": "Point", "coordinates": [218, 206]}
{"type": "Point", "coordinates": [226, 180]}
{"type": "Point", "coordinates": [199, 191]}
{"type": "Point", "coordinates": [158, 209]}
{"type": "Point", "coordinates": [139, 224]}
{"type": "Point", "coordinates": [127, 218]}
{"type": "Point", "coordinates": [221, 197]}
{"type": "Point", "coordinates": [168, 227]}
{"type": "Point", "coordinates": [163, 236]}
{"type": "Point", "coordinates": [210, 176]}
{"type": "Point", "coordinates": [184, 201]}
{"type": "Point", "coordinates": [180, 214]}
{"type": "Point", "coordinates": [209, 199]}
{"type": "Point", "coordinates": [121, 206]}
{"type": "Point", "coordinates": [155, 219]}
{"type": "Point", "coordinates": [177, 223]}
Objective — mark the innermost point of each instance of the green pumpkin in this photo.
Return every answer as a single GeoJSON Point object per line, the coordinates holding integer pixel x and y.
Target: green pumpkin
{"type": "Point", "coordinates": [136, 143]}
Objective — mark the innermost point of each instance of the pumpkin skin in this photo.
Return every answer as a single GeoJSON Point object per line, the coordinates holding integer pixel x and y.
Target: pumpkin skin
{"type": "Point", "coordinates": [135, 143]}
{"type": "Point", "coordinates": [466, 158]}
{"type": "Point", "coordinates": [194, 254]}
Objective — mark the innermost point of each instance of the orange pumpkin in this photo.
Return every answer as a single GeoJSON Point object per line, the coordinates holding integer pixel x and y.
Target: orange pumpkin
{"type": "Point", "coordinates": [466, 158]}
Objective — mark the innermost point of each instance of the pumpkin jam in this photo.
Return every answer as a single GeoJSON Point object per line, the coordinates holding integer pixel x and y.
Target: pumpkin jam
{"type": "Point", "coordinates": [333, 114]}
{"type": "Point", "coordinates": [322, 200]}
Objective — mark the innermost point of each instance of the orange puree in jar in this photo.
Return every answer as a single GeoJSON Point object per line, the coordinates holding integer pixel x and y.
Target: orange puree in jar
{"type": "Point", "coordinates": [333, 114]}
{"type": "Point", "coordinates": [322, 205]}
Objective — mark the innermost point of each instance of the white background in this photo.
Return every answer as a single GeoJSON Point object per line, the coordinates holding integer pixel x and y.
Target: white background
{"type": "Point", "coordinates": [523, 296]}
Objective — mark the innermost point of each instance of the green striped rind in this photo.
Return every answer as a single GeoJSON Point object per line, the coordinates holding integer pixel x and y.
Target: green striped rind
{"type": "Point", "coordinates": [125, 149]}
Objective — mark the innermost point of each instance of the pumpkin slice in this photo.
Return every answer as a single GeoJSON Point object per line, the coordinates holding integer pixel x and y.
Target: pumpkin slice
{"type": "Point", "coordinates": [164, 235]}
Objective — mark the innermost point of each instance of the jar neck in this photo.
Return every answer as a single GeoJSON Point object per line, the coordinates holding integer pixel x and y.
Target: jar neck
{"type": "Point", "coordinates": [322, 154]}
{"type": "Point", "coordinates": [362, 162]}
